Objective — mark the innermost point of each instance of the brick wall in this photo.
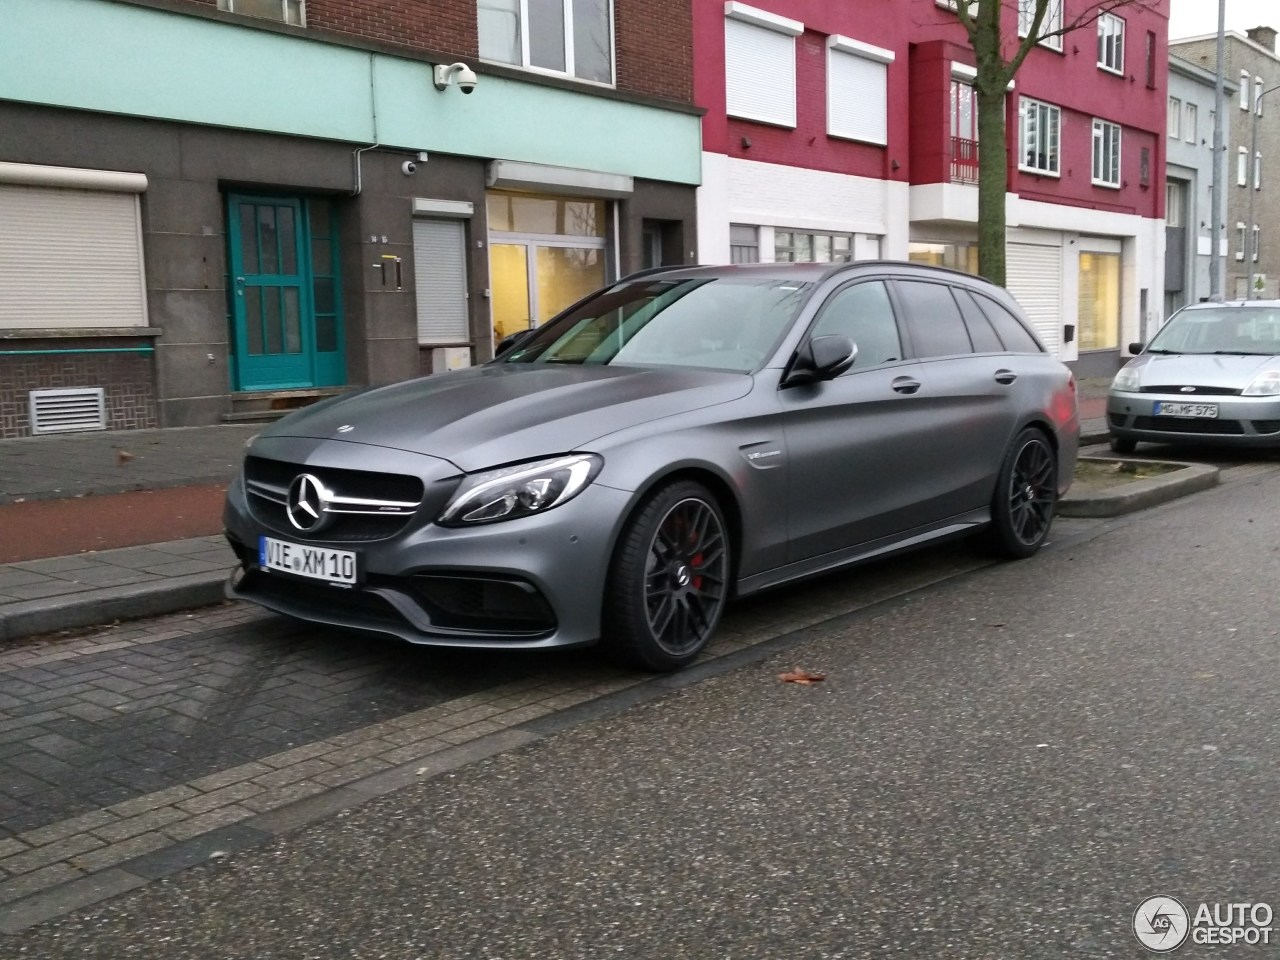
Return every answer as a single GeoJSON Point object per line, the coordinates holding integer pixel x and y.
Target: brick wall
{"type": "Point", "coordinates": [654, 37]}
{"type": "Point", "coordinates": [127, 378]}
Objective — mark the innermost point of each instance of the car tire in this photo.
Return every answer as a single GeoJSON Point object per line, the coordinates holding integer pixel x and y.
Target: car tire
{"type": "Point", "coordinates": [1026, 497]}
{"type": "Point", "coordinates": [1123, 445]}
{"type": "Point", "coordinates": [669, 580]}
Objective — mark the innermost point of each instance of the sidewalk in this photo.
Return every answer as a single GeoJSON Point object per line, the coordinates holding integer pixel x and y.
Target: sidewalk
{"type": "Point", "coordinates": [99, 586]}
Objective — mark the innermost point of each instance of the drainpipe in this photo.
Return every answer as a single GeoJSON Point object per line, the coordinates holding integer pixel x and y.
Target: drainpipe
{"type": "Point", "coordinates": [373, 111]}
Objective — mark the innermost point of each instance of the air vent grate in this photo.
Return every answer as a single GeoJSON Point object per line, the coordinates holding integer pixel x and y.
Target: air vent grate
{"type": "Point", "coordinates": [63, 411]}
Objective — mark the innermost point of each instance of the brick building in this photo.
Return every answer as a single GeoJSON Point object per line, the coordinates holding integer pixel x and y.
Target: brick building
{"type": "Point", "coordinates": [1252, 182]}
{"type": "Point", "coordinates": [209, 208]}
{"type": "Point", "coordinates": [848, 131]}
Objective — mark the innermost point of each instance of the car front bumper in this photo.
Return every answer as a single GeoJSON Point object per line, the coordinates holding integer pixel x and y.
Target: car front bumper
{"type": "Point", "coordinates": [1240, 421]}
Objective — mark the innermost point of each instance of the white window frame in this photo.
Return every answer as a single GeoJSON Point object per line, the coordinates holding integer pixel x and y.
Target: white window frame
{"type": "Point", "coordinates": [1051, 117]}
{"type": "Point", "coordinates": [1240, 240]}
{"type": "Point", "coordinates": [1052, 21]}
{"type": "Point", "coordinates": [570, 65]}
{"type": "Point", "coordinates": [1107, 142]}
{"type": "Point", "coordinates": [1244, 89]}
{"type": "Point", "coordinates": [1175, 118]}
{"type": "Point", "coordinates": [1257, 170]}
{"type": "Point", "coordinates": [1189, 127]}
{"type": "Point", "coordinates": [1242, 167]}
{"type": "Point", "coordinates": [1257, 241]}
{"type": "Point", "coordinates": [1257, 95]}
{"type": "Point", "coordinates": [1109, 25]}
{"type": "Point", "coordinates": [840, 46]}
{"type": "Point", "coordinates": [781, 74]}
{"type": "Point", "coordinates": [230, 7]}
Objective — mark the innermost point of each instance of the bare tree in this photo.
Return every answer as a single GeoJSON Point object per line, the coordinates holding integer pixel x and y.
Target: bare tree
{"type": "Point", "coordinates": [997, 60]}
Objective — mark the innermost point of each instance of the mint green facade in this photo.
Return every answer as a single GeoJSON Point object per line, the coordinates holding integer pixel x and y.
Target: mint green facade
{"type": "Point", "coordinates": [117, 58]}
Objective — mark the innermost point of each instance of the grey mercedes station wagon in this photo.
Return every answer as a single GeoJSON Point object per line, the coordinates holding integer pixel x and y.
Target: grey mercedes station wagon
{"type": "Point", "coordinates": [680, 438]}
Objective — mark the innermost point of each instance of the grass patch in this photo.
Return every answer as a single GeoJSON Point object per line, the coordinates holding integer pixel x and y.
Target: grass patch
{"type": "Point", "coordinates": [1101, 474]}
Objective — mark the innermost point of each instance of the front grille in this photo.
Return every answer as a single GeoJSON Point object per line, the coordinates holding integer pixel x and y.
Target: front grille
{"type": "Point", "coordinates": [267, 485]}
{"type": "Point", "coordinates": [1176, 390]}
{"type": "Point", "coordinates": [353, 606]}
{"type": "Point", "coordinates": [1180, 425]}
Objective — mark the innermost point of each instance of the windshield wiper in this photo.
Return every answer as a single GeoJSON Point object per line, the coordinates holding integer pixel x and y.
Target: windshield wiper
{"type": "Point", "coordinates": [1240, 353]}
{"type": "Point", "coordinates": [1150, 350]}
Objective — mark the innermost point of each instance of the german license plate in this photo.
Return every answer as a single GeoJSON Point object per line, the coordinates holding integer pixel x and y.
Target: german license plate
{"type": "Point", "coordinates": [318, 563]}
{"type": "Point", "coordinates": [1170, 409]}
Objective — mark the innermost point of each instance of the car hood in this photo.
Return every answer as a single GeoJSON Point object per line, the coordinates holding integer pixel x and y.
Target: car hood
{"type": "Point", "coordinates": [1201, 370]}
{"type": "Point", "coordinates": [502, 413]}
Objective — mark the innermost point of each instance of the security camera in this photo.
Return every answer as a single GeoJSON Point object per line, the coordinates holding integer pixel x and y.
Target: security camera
{"type": "Point", "coordinates": [458, 73]}
{"type": "Point", "coordinates": [408, 168]}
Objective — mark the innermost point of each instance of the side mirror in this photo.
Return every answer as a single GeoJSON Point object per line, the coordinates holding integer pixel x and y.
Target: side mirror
{"type": "Point", "coordinates": [822, 358]}
{"type": "Point", "coordinates": [511, 341]}
{"type": "Point", "coordinates": [1136, 347]}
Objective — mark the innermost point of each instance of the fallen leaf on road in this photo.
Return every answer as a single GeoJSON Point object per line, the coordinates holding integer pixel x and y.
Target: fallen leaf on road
{"type": "Point", "coordinates": [801, 676]}
{"type": "Point", "coordinates": [123, 457]}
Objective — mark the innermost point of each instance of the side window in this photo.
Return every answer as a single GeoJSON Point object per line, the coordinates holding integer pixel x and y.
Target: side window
{"type": "Point", "coordinates": [981, 332]}
{"type": "Point", "coordinates": [862, 313]}
{"type": "Point", "coordinates": [1011, 330]}
{"type": "Point", "coordinates": [933, 319]}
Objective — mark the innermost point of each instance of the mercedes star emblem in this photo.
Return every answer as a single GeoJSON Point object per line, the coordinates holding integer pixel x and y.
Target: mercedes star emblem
{"type": "Point", "coordinates": [308, 503]}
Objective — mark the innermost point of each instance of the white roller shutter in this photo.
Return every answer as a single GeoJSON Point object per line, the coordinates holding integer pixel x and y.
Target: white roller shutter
{"type": "Point", "coordinates": [70, 258]}
{"type": "Point", "coordinates": [439, 263]}
{"type": "Point", "coordinates": [857, 96]}
{"type": "Point", "coordinates": [1033, 274]}
{"type": "Point", "coordinates": [760, 73]}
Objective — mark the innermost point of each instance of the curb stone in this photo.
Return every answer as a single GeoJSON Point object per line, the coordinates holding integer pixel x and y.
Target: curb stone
{"type": "Point", "coordinates": [1139, 494]}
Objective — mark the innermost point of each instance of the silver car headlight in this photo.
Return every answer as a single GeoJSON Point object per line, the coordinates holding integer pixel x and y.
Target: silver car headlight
{"type": "Point", "coordinates": [1127, 380]}
{"type": "Point", "coordinates": [1265, 384]}
{"type": "Point", "coordinates": [507, 493]}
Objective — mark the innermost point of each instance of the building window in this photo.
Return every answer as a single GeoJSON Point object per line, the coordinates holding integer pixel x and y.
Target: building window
{"type": "Point", "coordinates": [572, 37]}
{"type": "Point", "coordinates": [1242, 167]}
{"type": "Point", "coordinates": [1239, 241]}
{"type": "Point", "coordinates": [1052, 22]}
{"type": "Point", "coordinates": [1111, 43]}
{"type": "Point", "coordinates": [744, 243]}
{"type": "Point", "coordinates": [1244, 89]}
{"type": "Point", "coordinates": [964, 132]}
{"type": "Point", "coordinates": [760, 65]}
{"type": "Point", "coordinates": [1257, 241]}
{"type": "Point", "coordinates": [285, 11]}
{"type": "Point", "coordinates": [1039, 135]}
{"type": "Point", "coordinates": [809, 247]}
{"type": "Point", "coordinates": [1175, 118]}
{"type": "Point", "coordinates": [1257, 170]}
{"type": "Point", "coordinates": [1151, 59]}
{"type": "Point", "coordinates": [1099, 301]}
{"type": "Point", "coordinates": [1106, 154]}
{"type": "Point", "coordinates": [857, 90]}
{"type": "Point", "coordinates": [1175, 198]}
{"type": "Point", "coordinates": [1257, 95]}
{"type": "Point", "coordinates": [1189, 128]}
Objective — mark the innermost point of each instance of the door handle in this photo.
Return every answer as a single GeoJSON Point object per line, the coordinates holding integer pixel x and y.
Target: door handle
{"type": "Point", "coordinates": [905, 385]}
{"type": "Point", "coordinates": [239, 286]}
{"type": "Point", "coordinates": [1005, 376]}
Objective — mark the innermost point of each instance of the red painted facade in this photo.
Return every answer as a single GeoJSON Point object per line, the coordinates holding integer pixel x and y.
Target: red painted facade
{"type": "Point", "coordinates": [926, 38]}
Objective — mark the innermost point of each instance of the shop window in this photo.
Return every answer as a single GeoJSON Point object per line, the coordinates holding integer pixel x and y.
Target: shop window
{"type": "Point", "coordinates": [957, 256]}
{"type": "Point", "coordinates": [1099, 301]}
{"type": "Point", "coordinates": [808, 247]}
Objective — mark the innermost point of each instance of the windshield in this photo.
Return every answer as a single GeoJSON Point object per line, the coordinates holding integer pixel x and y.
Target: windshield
{"type": "Point", "coordinates": [1242, 330]}
{"type": "Point", "coordinates": [729, 323]}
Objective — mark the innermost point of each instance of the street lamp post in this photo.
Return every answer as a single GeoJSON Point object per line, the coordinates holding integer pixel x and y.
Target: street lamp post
{"type": "Point", "coordinates": [1254, 181]}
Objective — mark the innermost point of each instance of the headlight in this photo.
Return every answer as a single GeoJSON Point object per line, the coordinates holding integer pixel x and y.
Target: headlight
{"type": "Point", "coordinates": [1127, 380]}
{"type": "Point", "coordinates": [521, 490]}
{"type": "Point", "coordinates": [1265, 384]}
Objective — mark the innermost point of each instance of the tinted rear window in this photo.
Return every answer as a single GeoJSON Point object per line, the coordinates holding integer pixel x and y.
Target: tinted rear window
{"type": "Point", "coordinates": [933, 319]}
{"type": "Point", "coordinates": [981, 332]}
{"type": "Point", "coordinates": [1016, 337]}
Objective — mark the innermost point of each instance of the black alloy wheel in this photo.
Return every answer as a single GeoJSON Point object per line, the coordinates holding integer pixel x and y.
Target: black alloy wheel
{"type": "Point", "coordinates": [1026, 496]}
{"type": "Point", "coordinates": [669, 581]}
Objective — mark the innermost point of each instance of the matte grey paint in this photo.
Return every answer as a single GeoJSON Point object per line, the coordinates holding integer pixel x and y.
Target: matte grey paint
{"type": "Point", "coordinates": [860, 470]}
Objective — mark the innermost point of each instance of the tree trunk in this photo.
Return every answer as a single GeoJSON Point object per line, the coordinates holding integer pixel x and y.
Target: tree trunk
{"type": "Point", "coordinates": [993, 177]}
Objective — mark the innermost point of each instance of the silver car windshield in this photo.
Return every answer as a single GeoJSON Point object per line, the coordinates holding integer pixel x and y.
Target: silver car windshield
{"type": "Point", "coordinates": [1228, 330]}
{"type": "Point", "coordinates": [728, 323]}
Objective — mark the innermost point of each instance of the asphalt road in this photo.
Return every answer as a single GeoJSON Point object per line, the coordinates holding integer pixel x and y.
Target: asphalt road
{"type": "Point", "coordinates": [1003, 765]}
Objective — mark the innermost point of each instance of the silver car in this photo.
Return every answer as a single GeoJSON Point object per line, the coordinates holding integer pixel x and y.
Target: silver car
{"type": "Point", "coordinates": [1211, 375]}
{"type": "Point", "coordinates": [675, 440]}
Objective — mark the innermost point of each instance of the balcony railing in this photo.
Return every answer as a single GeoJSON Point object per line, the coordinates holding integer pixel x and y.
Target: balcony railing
{"type": "Point", "coordinates": [964, 160]}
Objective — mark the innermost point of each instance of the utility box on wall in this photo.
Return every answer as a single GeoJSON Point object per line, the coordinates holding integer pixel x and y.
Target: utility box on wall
{"type": "Point", "coordinates": [450, 358]}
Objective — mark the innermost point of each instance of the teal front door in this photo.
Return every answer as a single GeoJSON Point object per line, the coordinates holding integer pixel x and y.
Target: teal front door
{"type": "Point", "coordinates": [286, 318]}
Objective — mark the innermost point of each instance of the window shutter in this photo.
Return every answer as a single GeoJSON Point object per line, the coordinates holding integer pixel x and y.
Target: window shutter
{"type": "Point", "coordinates": [1034, 277]}
{"type": "Point", "coordinates": [439, 263]}
{"type": "Point", "coordinates": [858, 104]}
{"type": "Point", "coordinates": [760, 73]}
{"type": "Point", "coordinates": [70, 258]}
